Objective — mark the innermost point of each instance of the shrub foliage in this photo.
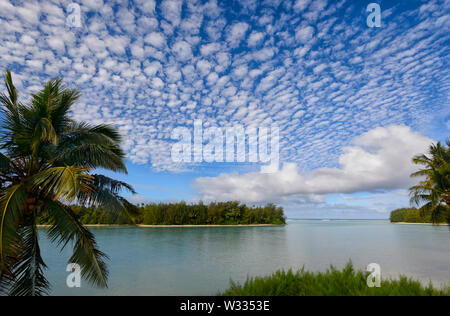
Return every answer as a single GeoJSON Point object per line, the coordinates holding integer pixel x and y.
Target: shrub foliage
{"type": "Point", "coordinates": [414, 215]}
{"type": "Point", "coordinates": [227, 213]}
{"type": "Point", "coordinates": [333, 282]}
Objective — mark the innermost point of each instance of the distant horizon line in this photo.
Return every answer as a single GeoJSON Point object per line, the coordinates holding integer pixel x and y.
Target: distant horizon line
{"type": "Point", "coordinates": [339, 219]}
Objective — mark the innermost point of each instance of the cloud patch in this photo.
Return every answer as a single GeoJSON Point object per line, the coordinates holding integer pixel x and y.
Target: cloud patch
{"type": "Point", "coordinates": [377, 160]}
{"type": "Point", "coordinates": [312, 67]}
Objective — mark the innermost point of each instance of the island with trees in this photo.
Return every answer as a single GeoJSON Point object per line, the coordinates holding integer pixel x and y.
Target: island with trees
{"type": "Point", "coordinates": [180, 214]}
{"type": "Point", "coordinates": [416, 216]}
{"type": "Point", "coordinates": [432, 193]}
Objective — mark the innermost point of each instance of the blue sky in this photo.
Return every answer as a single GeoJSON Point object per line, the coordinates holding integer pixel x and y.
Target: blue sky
{"type": "Point", "coordinates": [353, 103]}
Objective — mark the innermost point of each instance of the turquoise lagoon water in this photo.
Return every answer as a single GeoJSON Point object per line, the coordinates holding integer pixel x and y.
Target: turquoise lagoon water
{"type": "Point", "coordinates": [201, 261]}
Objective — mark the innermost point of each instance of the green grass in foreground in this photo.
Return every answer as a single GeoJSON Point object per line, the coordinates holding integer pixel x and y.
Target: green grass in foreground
{"type": "Point", "coordinates": [347, 282]}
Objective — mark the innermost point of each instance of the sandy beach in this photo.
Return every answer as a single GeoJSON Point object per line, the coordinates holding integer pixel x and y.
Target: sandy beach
{"type": "Point", "coordinates": [194, 226]}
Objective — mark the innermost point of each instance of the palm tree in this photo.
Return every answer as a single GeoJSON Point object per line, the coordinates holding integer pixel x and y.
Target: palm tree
{"type": "Point", "coordinates": [434, 190]}
{"type": "Point", "coordinates": [46, 163]}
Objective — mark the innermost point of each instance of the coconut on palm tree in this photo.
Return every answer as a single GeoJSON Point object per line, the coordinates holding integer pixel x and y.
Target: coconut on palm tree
{"type": "Point", "coordinates": [46, 163]}
{"type": "Point", "coordinates": [434, 190]}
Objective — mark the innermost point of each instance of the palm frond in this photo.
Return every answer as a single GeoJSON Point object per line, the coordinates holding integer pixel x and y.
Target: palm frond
{"type": "Point", "coordinates": [92, 156]}
{"type": "Point", "coordinates": [12, 91]}
{"type": "Point", "coordinates": [29, 279]}
{"type": "Point", "coordinates": [12, 200]}
{"type": "Point", "coordinates": [9, 100]}
{"type": "Point", "coordinates": [59, 113]}
{"type": "Point", "coordinates": [62, 182]}
{"type": "Point", "coordinates": [115, 186]}
{"type": "Point", "coordinates": [43, 132]}
{"type": "Point", "coordinates": [106, 194]}
{"type": "Point", "coordinates": [420, 173]}
{"type": "Point", "coordinates": [6, 281]}
{"type": "Point", "coordinates": [422, 160]}
{"type": "Point", "coordinates": [67, 228]}
{"type": "Point", "coordinates": [11, 118]}
{"type": "Point", "coordinates": [5, 163]}
{"type": "Point", "coordinates": [93, 146]}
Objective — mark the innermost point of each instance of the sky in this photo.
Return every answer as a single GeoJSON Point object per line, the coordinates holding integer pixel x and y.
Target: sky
{"type": "Point", "coordinates": [353, 103]}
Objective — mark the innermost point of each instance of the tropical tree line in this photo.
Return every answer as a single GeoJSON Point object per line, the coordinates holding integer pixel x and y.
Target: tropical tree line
{"type": "Point", "coordinates": [432, 193]}
{"type": "Point", "coordinates": [415, 215]}
{"type": "Point", "coordinates": [227, 213]}
{"type": "Point", "coordinates": [46, 163]}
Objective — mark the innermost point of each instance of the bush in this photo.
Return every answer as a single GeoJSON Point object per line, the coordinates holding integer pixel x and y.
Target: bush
{"type": "Point", "coordinates": [347, 282]}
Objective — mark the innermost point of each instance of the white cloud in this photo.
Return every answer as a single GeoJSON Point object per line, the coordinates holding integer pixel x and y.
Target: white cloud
{"type": "Point", "coordinates": [315, 86]}
{"type": "Point", "coordinates": [171, 10]}
{"type": "Point", "coordinates": [182, 50]}
{"type": "Point", "coordinates": [156, 39]}
{"type": "Point", "coordinates": [138, 199]}
{"type": "Point", "coordinates": [236, 33]}
{"type": "Point", "coordinates": [378, 160]}
{"type": "Point", "coordinates": [55, 43]}
{"type": "Point", "coordinates": [94, 5]}
{"type": "Point", "coordinates": [264, 54]}
{"type": "Point", "coordinates": [27, 40]}
{"type": "Point", "coordinates": [241, 71]}
{"type": "Point", "coordinates": [30, 13]}
{"type": "Point", "coordinates": [223, 61]}
{"type": "Point", "coordinates": [301, 5]}
{"type": "Point", "coordinates": [6, 8]}
{"type": "Point", "coordinates": [152, 68]}
{"type": "Point", "coordinates": [117, 44]}
{"type": "Point", "coordinates": [147, 6]}
{"type": "Point", "coordinates": [209, 49]}
{"type": "Point", "coordinates": [304, 33]}
{"type": "Point", "coordinates": [137, 50]}
{"type": "Point", "coordinates": [212, 78]}
{"type": "Point", "coordinates": [35, 64]}
{"type": "Point", "coordinates": [157, 83]}
{"type": "Point", "coordinates": [204, 67]}
{"type": "Point", "coordinates": [255, 38]}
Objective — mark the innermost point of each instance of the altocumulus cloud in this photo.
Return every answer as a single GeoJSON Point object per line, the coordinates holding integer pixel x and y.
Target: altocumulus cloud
{"type": "Point", "coordinates": [379, 159]}
{"type": "Point", "coordinates": [312, 67]}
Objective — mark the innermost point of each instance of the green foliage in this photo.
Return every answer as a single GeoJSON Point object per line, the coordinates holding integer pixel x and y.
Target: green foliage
{"type": "Point", "coordinates": [414, 215]}
{"type": "Point", "coordinates": [46, 160]}
{"type": "Point", "coordinates": [409, 215]}
{"type": "Point", "coordinates": [228, 213]}
{"type": "Point", "coordinates": [333, 282]}
{"type": "Point", "coordinates": [432, 193]}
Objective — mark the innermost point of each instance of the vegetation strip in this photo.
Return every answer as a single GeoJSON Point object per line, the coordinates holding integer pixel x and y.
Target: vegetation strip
{"type": "Point", "coordinates": [182, 214]}
{"type": "Point", "coordinates": [333, 282]}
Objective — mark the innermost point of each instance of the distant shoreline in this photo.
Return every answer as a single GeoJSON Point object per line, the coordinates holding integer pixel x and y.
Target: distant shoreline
{"type": "Point", "coordinates": [428, 224]}
{"type": "Point", "coordinates": [174, 226]}
{"type": "Point", "coordinates": [194, 226]}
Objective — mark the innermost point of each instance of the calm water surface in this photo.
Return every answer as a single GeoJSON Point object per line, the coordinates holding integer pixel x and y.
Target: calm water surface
{"type": "Point", "coordinates": [201, 261]}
